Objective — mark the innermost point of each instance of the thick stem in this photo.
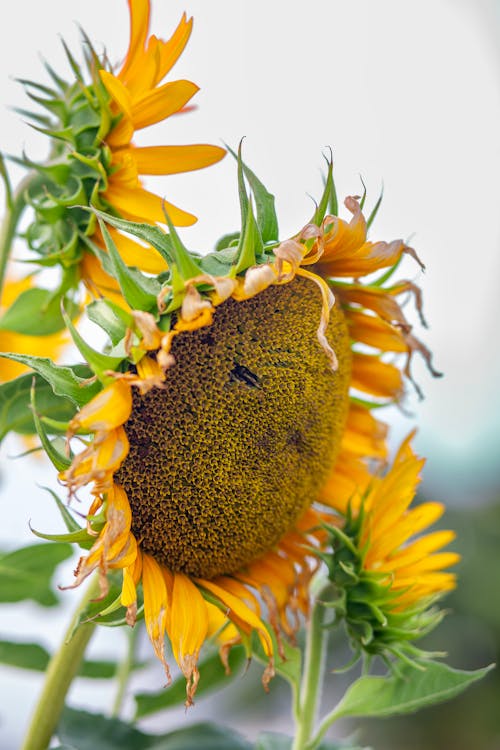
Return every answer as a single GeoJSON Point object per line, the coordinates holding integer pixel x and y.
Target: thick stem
{"type": "Point", "coordinates": [124, 670]}
{"type": "Point", "coordinates": [14, 211]}
{"type": "Point", "coordinates": [312, 679]}
{"type": "Point", "coordinates": [60, 673]}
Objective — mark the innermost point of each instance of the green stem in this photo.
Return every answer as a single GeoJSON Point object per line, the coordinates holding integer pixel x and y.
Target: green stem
{"type": "Point", "coordinates": [14, 210]}
{"type": "Point", "coordinates": [124, 670]}
{"type": "Point", "coordinates": [312, 679]}
{"type": "Point", "coordinates": [60, 673]}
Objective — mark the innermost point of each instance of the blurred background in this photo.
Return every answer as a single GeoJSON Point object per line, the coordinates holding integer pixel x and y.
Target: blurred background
{"type": "Point", "coordinates": [407, 95]}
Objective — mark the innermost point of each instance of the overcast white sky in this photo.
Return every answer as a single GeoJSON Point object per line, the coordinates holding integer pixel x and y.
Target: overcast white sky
{"type": "Point", "coordinates": [404, 92]}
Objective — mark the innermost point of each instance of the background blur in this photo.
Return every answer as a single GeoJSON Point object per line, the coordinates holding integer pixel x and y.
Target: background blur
{"type": "Point", "coordinates": [407, 94]}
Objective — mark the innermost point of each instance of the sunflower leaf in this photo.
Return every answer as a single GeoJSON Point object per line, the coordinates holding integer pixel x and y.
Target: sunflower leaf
{"type": "Point", "coordinates": [251, 243]}
{"type": "Point", "coordinates": [136, 287]}
{"type": "Point", "coordinates": [151, 234]}
{"type": "Point", "coordinates": [99, 362]}
{"type": "Point", "coordinates": [264, 202]}
{"type": "Point", "coordinates": [63, 379]}
{"type": "Point", "coordinates": [26, 573]}
{"type": "Point", "coordinates": [405, 692]}
{"type": "Point", "coordinates": [59, 461]}
{"type": "Point", "coordinates": [16, 414]}
{"type": "Point", "coordinates": [214, 676]}
{"type": "Point", "coordinates": [275, 741]}
{"type": "Point", "coordinates": [36, 312]}
{"type": "Point", "coordinates": [326, 198]}
{"type": "Point", "coordinates": [85, 731]}
{"type": "Point", "coordinates": [103, 313]}
{"type": "Point", "coordinates": [35, 657]}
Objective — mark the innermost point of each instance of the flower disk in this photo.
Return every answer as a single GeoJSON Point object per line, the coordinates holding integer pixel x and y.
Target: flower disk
{"type": "Point", "coordinates": [226, 458]}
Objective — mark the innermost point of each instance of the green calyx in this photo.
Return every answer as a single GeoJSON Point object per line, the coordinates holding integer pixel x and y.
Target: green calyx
{"type": "Point", "coordinates": [77, 118]}
{"type": "Point", "coordinates": [367, 604]}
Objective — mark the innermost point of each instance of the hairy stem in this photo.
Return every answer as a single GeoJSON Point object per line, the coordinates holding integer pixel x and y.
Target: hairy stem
{"type": "Point", "coordinates": [60, 673]}
{"type": "Point", "coordinates": [312, 679]}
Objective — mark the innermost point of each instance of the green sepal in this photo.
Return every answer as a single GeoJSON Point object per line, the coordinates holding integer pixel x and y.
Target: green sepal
{"type": "Point", "coordinates": [135, 287]}
{"type": "Point", "coordinates": [149, 233]}
{"type": "Point", "coordinates": [326, 198]}
{"type": "Point", "coordinates": [99, 362]}
{"type": "Point", "coordinates": [58, 460]}
{"type": "Point", "coordinates": [227, 241]}
{"type": "Point", "coordinates": [73, 64]}
{"type": "Point", "coordinates": [363, 197]}
{"type": "Point", "coordinates": [63, 380]}
{"type": "Point", "coordinates": [81, 537]}
{"type": "Point", "coordinates": [104, 313]}
{"type": "Point", "coordinates": [66, 516]}
{"type": "Point", "coordinates": [267, 220]}
{"type": "Point", "coordinates": [186, 265]}
{"type": "Point", "coordinates": [250, 245]}
{"type": "Point", "coordinates": [61, 84]}
{"type": "Point", "coordinates": [375, 209]}
{"type": "Point", "coordinates": [35, 312]}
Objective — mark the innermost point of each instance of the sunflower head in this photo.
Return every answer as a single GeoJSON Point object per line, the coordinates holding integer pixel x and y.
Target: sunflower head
{"type": "Point", "coordinates": [229, 432]}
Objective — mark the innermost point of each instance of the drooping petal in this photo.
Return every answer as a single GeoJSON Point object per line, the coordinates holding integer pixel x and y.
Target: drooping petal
{"type": "Point", "coordinates": [187, 629]}
{"type": "Point", "coordinates": [155, 607]}
{"type": "Point", "coordinates": [108, 410]}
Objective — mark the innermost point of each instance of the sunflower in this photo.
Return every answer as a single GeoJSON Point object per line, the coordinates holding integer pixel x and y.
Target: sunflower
{"type": "Point", "coordinates": [386, 573]}
{"type": "Point", "coordinates": [239, 423]}
{"type": "Point", "coordinates": [94, 160]}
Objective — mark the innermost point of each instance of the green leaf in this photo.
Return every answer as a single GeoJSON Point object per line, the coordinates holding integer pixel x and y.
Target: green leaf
{"type": "Point", "coordinates": [187, 267]}
{"type": "Point", "coordinates": [36, 658]}
{"type": "Point", "coordinates": [63, 380]}
{"type": "Point", "coordinates": [27, 573]}
{"type": "Point", "coordinates": [99, 362]}
{"type": "Point", "coordinates": [85, 731]}
{"type": "Point", "coordinates": [102, 312]}
{"type": "Point", "coordinates": [149, 233]}
{"type": "Point", "coordinates": [326, 198]}
{"type": "Point", "coordinates": [213, 676]}
{"type": "Point", "coordinates": [134, 286]}
{"type": "Point", "coordinates": [251, 243]}
{"type": "Point", "coordinates": [36, 312]}
{"type": "Point", "coordinates": [375, 209]}
{"type": "Point", "coordinates": [59, 461]}
{"type": "Point", "coordinates": [406, 692]}
{"type": "Point", "coordinates": [264, 202]}
{"type": "Point", "coordinates": [15, 408]}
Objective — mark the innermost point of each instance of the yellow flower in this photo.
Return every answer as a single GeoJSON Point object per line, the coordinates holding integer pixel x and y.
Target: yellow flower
{"type": "Point", "coordinates": [20, 343]}
{"type": "Point", "coordinates": [96, 162]}
{"type": "Point", "coordinates": [242, 431]}
{"type": "Point", "coordinates": [387, 574]}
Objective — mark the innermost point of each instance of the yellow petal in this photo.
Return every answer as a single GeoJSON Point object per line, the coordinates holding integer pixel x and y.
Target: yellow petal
{"type": "Point", "coordinates": [155, 607]}
{"type": "Point", "coordinates": [176, 159]}
{"type": "Point", "coordinates": [187, 629]}
{"type": "Point", "coordinates": [140, 205]}
{"type": "Point", "coordinates": [109, 409]}
{"type": "Point", "coordinates": [241, 614]}
{"type": "Point", "coordinates": [139, 25]}
{"type": "Point", "coordinates": [118, 92]}
{"type": "Point", "coordinates": [171, 50]}
{"type": "Point", "coordinates": [158, 104]}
